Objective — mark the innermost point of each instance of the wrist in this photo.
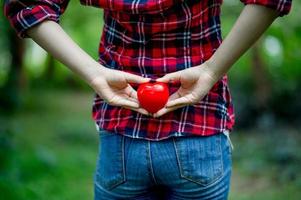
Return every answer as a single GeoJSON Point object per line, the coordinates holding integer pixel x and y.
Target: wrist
{"type": "Point", "coordinates": [210, 68]}
{"type": "Point", "coordinates": [217, 68]}
{"type": "Point", "coordinates": [95, 73]}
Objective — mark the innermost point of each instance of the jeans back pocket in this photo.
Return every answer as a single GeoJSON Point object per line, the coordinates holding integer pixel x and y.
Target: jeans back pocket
{"type": "Point", "coordinates": [200, 158]}
{"type": "Point", "coordinates": [110, 168]}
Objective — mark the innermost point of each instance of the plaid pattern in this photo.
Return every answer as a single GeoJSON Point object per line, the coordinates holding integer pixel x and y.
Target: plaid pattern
{"type": "Point", "coordinates": [151, 38]}
{"type": "Point", "coordinates": [23, 14]}
{"type": "Point", "coordinates": [282, 6]}
{"type": "Point", "coordinates": [133, 7]}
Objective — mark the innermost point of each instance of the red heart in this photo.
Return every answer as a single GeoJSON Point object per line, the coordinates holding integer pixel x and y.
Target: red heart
{"type": "Point", "coordinates": [153, 96]}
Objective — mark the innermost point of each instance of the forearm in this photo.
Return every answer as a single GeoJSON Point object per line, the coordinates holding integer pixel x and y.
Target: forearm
{"type": "Point", "coordinates": [250, 25]}
{"type": "Point", "coordinates": [50, 36]}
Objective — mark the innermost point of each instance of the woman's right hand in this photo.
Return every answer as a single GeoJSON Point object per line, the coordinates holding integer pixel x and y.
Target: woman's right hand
{"type": "Point", "coordinates": [113, 86]}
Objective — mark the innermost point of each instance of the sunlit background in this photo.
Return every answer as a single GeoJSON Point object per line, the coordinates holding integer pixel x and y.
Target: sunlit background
{"type": "Point", "coordinates": [49, 144]}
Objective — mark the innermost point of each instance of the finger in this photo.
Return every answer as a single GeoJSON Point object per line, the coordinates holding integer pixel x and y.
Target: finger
{"type": "Point", "coordinates": [174, 96]}
{"type": "Point", "coordinates": [171, 77]}
{"type": "Point", "coordinates": [132, 78]}
{"type": "Point", "coordinates": [131, 92]}
{"type": "Point", "coordinates": [139, 110]}
{"type": "Point", "coordinates": [179, 101]}
{"type": "Point", "coordinates": [165, 110]}
{"type": "Point", "coordinates": [123, 101]}
{"type": "Point", "coordinates": [117, 100]}
{"type": "Point", "coordinates": [142, 111]}
{"type": "Point", "coordinates": [133, 99]}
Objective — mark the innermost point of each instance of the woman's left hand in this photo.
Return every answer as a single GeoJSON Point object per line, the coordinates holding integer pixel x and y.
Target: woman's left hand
{"type": "Point", "coordinates": [195, 84]}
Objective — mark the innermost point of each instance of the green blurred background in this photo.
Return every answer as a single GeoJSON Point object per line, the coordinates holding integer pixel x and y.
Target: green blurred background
{"type": "Point", "coordinates": [49, 144]}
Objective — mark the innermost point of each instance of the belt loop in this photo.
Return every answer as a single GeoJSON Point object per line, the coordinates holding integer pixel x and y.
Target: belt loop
{"type": "Point", "coordinates": [227, 133]}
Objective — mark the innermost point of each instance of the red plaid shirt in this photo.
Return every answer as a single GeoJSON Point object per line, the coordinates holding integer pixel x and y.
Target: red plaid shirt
{"type": "Point", "coordinates": [151, 38]}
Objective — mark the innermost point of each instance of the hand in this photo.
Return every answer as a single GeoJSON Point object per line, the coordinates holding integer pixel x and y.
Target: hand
{"type": "Point", "coordinates": [195, 84]}
{"type": "Point", "coordinates": [113, 86]}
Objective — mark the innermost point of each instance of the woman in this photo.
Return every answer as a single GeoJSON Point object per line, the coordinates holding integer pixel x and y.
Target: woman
{"type": "Point", "coordinates": [184, 148]}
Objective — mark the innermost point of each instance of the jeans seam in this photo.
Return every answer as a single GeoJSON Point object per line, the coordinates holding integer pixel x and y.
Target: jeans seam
{"type": "Point", "coordinates": [123, 167]}
{"type": "Point", "coordinates": [121, 171]}
{"type": "Point", "coordinates": [178, 160]}
{"type": "Point", "coordinates": [123, 158]}
{"type": "Point", "coordinates": [150, 162]}
{"type": "Point", "coordinates": [221, 154]}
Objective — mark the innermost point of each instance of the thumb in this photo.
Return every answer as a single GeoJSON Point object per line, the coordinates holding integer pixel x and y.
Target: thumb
{"type": "Point", "coordinates": [171, 77]}
{"type": "Point", "coordinates": [132, 78]}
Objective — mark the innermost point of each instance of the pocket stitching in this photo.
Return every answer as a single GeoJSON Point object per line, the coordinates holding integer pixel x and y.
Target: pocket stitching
{"type": "Point", "coordinates": [190, 178]}
{"type": "Point", "coordinates": [123, 167]}
{"type": "Point", "coordinates": [112, 185]}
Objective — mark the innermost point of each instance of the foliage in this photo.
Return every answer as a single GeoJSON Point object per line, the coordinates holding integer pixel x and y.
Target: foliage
{"type": "Point", "coordinates": [48, 147]}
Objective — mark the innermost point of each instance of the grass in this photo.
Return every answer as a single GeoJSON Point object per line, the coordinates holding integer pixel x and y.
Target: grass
{"type": "Point", "coordinates": [54, 146]}
{"type": "Point", "coordinates": [49, 149]}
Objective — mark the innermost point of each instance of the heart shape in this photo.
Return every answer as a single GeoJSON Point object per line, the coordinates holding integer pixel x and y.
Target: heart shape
{"type": "Point", "coordinates": [153, 96]}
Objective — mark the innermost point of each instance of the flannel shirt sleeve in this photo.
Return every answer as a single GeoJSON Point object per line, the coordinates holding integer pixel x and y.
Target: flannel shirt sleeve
{"type": "Point", "coordinates": [282, 6]}
{"type": "Point", "coordinates": [23, 14]}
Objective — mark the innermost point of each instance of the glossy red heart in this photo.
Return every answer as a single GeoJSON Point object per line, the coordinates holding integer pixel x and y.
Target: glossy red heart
{"type": "Point", "coordinates": [153, 96]}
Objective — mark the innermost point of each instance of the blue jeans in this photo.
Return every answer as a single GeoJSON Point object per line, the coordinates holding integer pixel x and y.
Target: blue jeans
{"type": "Point", "coordinates": [175, 168]}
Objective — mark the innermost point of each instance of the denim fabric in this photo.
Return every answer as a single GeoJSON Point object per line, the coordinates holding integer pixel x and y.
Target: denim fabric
{"type": "Point", "coordinates": [176, 168]}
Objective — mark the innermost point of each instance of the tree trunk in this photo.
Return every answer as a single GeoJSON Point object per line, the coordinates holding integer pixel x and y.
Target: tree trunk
{"type": "Point", "coordinates": [16, 82]}
{"type": "Point", "coordinates": [49, 71]}
{"type": "Point", "coordinates": [261, 78]}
